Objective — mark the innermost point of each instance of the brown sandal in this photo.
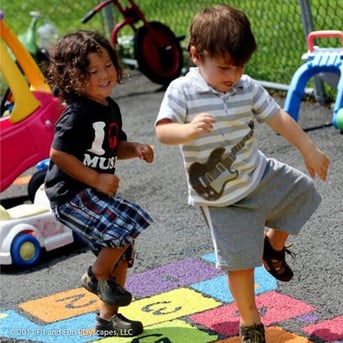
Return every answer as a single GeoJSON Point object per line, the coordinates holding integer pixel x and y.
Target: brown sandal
{"type": "Point", "coordinates": [275, 263]}
{"type": "Point", "coordinates": [252, 334]}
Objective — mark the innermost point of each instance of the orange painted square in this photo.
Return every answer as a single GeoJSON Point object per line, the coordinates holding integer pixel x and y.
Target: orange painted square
{"type": "Point", "coordinates": [62, 305]}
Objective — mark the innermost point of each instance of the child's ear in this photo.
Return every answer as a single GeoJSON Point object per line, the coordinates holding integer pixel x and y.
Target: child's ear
{"type": "Point", "coordinates": [194, 55]}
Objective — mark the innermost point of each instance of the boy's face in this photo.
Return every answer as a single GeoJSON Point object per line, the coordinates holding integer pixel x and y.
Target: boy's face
{"type": "Point", "coordinates": [218, 72]}
{"type": "Point", "coordinates": [102, 76]}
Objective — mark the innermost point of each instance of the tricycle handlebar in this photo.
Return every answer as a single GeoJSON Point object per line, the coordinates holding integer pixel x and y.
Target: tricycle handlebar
{"type": "Point", "coordinates": [322, 34]}
{"type": "Point", "coordinates": [88, 16]}
{"type": "Point", "coordinates": [96, 9]}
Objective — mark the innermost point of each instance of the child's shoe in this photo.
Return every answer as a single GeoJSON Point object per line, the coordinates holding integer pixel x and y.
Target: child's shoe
{"type": "Point", "coordinates": [118, 326]}
{"type": "Point", "coordinates": [252, 334]}
{"type": "Point", "coordinates": [109, 291]}
{"type": "Point", "coordinates": [89, 281]}
{"type": "Point", "coordinates": [275, 262]}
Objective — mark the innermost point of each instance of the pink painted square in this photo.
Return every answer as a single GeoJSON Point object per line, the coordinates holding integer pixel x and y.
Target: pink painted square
{"type": "Point", "coordinates": [274, 307]}
{"type": "Point", "coordinates": [328, 330]}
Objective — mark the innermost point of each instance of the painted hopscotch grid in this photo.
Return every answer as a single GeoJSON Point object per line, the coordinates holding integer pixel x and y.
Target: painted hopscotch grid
{"type": "Point", "coordinates": [185, 301]}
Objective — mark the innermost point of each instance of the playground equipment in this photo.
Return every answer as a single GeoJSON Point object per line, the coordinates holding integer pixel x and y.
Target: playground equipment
{"type": "Point", "coordinates": [156, 48]}
{"type": "Point", "coordinates": [328, 64]}
{"type": "Point", "coordinates": [26, 128]}
{"type": "Point", "coordinates": [37, 178]}
{"type": "Point", "coordinates": [37, 40]}
{"type": "Point", "coordinates": [28, 228]}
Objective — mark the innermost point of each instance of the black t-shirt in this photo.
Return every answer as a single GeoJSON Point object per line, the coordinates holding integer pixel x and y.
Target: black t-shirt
{"type": "Point", "coordinates": [90, 132]}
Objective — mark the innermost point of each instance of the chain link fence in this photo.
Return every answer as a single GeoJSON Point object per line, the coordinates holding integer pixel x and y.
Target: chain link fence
{"type": "Point", "coordinates": [280, 26]}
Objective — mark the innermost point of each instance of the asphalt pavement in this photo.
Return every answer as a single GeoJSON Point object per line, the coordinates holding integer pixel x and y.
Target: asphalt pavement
{"type": "Point", "coordinates": [179, 235]}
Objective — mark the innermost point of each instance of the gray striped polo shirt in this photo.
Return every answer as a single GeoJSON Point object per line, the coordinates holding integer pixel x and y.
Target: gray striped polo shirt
{"type": "Point", "coordinates": [225, 165]}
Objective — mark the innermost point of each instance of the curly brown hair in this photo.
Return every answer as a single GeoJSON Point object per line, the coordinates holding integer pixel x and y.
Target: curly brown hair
{"type": "Point", "coordinates": [67, 69]}
{"type": "Point", "coordinates": [222, 30]}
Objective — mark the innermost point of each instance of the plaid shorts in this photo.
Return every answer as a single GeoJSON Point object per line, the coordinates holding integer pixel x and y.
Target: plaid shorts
{"type": "Point", "coordinates": [103, 221]}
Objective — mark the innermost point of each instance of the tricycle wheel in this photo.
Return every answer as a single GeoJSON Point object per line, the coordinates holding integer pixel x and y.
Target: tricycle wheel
{"type": "Point", "coordinates": [158, 53]}
{"type": "Point", "coordinates": [25, 250]}
{"type": "Point", "coordinates": [35, 182]}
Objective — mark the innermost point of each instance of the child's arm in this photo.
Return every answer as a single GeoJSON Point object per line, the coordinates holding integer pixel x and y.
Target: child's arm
{"type": "Point", "coordinates": [315, 160]}
{"type": "Point", "coordinates": [69, 164]}
{"type": "Point", "coordinates": [172, 133]}
{"type": "Point", "coordinates": [131, 150]}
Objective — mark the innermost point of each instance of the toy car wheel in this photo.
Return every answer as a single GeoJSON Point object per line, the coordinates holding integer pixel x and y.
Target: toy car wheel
{"type": "Point", "coordinates": [35, 182]}
{"type": "Point", "coordinates": [25, 250]}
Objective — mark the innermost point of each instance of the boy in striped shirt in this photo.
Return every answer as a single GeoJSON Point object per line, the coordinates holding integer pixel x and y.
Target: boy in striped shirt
{"type": "Point", "coordinates": [210, 113]}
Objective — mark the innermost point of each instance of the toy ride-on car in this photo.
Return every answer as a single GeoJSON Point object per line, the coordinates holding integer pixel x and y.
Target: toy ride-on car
{"type": "Point", "coordinates": [28, 228]}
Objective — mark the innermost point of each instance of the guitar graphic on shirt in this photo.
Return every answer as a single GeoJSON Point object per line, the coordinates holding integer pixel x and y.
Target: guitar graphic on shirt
{"type": "Point", "coordinates": [209, 179]}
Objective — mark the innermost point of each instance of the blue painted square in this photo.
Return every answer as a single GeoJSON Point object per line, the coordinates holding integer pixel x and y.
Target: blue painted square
{"type": "Point", "coordinates": [218, 287]}
{"type": "Point", "coordinates": [210, 258]}
{"type": "Point", "coordinates": [77, 329]}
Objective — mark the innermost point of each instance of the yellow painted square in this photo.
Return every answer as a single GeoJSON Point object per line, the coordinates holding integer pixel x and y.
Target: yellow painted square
{"type": "Point", "coordinates": [168, 306]}
{"type": "Point", "coordinates": [62, 305]}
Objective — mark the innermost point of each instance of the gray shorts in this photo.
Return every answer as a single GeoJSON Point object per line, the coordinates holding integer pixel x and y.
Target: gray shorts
{"type": "Point", "coordinates": [284, 199]}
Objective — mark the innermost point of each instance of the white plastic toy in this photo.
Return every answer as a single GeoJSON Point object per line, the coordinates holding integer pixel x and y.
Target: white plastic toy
{"type": "Point", "coordinates": [28, 228]}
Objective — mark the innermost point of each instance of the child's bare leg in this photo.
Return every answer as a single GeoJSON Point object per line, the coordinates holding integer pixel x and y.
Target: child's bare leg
{"type": "Point", "coordinates": [109, 320]}
{"type": "Point", "coordinates": [103, 265]}
{"type": "Point", "coordinates": [242, 286]}
{"type": "Point", "coordinates": [277, 238]}
{"type": "Point", "coordinates": [119, 273]}
{"type": "Point", "coordinates": [99, 279]}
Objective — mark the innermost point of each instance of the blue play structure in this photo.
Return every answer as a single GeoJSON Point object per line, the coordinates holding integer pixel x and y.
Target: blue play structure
{"type": "Point", "coordinates": [328, 64]}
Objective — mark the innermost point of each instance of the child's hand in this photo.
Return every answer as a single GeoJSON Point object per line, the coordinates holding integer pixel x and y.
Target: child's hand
{"type": "Point", "coordinates": [108, 184]}
{"type": "Point", "coordinates": [201, 124]}
{"type": "Point", "coordinates": [317, 163]}
{"type": "Point", "coordinates": [145, 152]}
